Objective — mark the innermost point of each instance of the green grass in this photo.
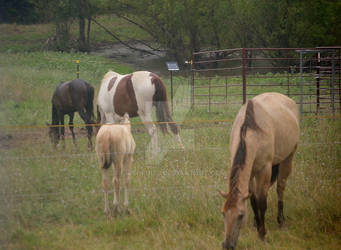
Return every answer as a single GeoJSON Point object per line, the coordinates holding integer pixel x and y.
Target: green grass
{"type": "Point", "coordinates": [53, 199]}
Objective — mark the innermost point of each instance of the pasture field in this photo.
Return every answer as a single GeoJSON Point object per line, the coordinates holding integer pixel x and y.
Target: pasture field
{"type": "Point", "coordinates": [34, 37]}
{"type": "Point", "coordinates": [53, 199]}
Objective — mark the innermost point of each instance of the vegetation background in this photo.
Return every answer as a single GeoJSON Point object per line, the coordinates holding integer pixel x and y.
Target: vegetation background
{"type": "Point", "coordinates": [180, 27]}
{"type": "Point", "coordinates": [52, 199]}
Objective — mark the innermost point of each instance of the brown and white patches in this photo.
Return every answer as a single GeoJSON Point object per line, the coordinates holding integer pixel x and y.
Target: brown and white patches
{"type": "Point", "coordinates": [112, 83]}
{"type": "Point", "coordinates": [124, 97]}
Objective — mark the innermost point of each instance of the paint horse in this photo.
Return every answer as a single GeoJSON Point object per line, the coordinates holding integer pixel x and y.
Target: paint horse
{"type": "Point", "coordinates": [68, 98]}
{"type": "Point", "coordinates": [136, 94]}
{"type": "Point", "coordinates": [263, 141]}
{"type": "Point", "coordinates": [115, 145]}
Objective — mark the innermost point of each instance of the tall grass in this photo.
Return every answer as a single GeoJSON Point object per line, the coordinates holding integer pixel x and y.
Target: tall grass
{"type": "Point", "coordinates": [52, 199]}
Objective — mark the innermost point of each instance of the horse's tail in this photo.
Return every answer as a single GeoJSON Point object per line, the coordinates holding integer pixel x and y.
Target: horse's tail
{"type": "Point", "coordinates": [105, 153]}
{"type": "Point", "coordinates": [98, 115]}
{"type": "Point", "coordinates": [160, 101]}
{"type": "Point", "coordinates": [90, 105]}
{"type": "Point", "coordinates": [53, 127]}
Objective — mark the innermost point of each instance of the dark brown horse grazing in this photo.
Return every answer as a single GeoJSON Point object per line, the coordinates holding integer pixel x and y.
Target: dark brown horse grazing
{"type": "Point", "coordinates": [263, 141]}
{"type": "Point", "coordinates": [68, 98]}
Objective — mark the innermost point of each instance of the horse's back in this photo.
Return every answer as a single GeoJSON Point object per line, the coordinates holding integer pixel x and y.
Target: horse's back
{"type": "Point", "coordinates": [73, 93]}
{"type": "Point", "coordinates": [115, 138]}
{"type": "Point", "coordinates": [278, 117]}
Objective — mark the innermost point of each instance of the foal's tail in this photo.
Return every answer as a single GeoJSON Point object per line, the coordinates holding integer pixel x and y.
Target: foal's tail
{"type": "Point", "coordinates": [160, 101]}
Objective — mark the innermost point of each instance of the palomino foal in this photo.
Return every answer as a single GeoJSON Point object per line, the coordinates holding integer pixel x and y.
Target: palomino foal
{"type": "Point", "coordinates": [263, 141]}
{"type": "Point", "coordinates": [115, 145]}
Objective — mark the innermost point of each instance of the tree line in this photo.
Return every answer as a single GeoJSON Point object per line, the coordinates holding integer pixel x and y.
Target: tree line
{"type": "Point", "coordinates": [183, 26]}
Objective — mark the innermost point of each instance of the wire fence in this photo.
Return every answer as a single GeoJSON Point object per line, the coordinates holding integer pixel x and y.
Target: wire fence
{"type": "Point", "coordinates": [32, 136]}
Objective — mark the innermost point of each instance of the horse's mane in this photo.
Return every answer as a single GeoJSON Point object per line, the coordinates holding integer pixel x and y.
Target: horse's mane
{"type": "Point", "coordinates": [240, 156]}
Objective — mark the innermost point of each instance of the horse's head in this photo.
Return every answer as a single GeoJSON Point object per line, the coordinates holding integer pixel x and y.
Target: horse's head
{"type": "Point", "coordinates": [234, 213]}
{"type": "Point", "coordinates": [53, 134]}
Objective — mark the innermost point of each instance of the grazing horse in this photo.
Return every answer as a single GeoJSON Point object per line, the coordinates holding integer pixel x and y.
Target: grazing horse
{"type": "Point", "coordinates": [68, 98]}
{"type": "Point", "coordinates": [135, 94]}
{"type": "Point", "coordinates": [115, 145]}
{"type": "Point", "coordinates": [263, 141]}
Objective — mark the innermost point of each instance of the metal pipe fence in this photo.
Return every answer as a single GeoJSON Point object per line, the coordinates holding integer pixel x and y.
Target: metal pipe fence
{"type": "Point", "coordinates": [310, 76]}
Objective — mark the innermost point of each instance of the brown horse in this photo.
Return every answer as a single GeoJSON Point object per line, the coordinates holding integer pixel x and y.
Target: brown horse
{"type": "Point", "coordinates": [263, 141]}
{"type": "Point", "coordinates": [136, 94]}
{"type": "Point", "coordinates": [68, 98]}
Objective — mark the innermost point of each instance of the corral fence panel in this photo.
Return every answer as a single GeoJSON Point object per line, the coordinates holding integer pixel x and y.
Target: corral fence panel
{"type": "Point", "coordinates": [310, 76]}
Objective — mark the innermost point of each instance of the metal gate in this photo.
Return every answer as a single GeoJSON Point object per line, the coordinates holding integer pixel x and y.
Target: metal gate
{"type": "Point", "coordinates": [310, 76]}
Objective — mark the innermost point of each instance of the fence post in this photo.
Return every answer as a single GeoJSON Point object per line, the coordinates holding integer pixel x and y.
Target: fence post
{"type": "Point", "coordinates": [209, 94]}
{"type": "Point", "coordinates": [318, 82]}
{"type": "Point", "coordinates": [192, 85]}
{"type": "Point", "coordinates": [77, 72]}
{"type": "Point", "coordinates": [244, 74]}
{"type": "Point", "coordinates": [333, 83]}
{"type": "Point", "coordinates": [225, 89]}
{"type": "Point", "coordinates": [301, 83]}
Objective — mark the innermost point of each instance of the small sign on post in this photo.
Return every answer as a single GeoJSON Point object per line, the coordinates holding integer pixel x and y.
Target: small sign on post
{"type": "Point", "coordinates": [77, 72]}
{"type": "Point", "coordinates": [172, 66]}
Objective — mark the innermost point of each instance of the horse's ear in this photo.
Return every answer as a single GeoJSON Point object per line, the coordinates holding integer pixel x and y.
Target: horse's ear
{"type": "Point", "coordinates": [223, 194]}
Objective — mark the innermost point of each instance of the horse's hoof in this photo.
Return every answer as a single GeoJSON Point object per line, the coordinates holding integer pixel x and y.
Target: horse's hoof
{"type": "Point", "coordinates": [117, 211]}
{"type": "Point", "coordinates": [108, 214]}
{"type": "Point", "coordinates": [127, 211]}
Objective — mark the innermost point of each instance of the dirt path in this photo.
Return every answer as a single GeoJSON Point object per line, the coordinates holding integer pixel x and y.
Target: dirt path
{"type": "Point", "coordinates": [138, 60]}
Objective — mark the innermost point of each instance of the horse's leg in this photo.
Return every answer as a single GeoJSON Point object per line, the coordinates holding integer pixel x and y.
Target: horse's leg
{"type": "Point", "coordinates": [116, 181]}
{"type": "Point", "coordinates": [146, 118]}
{"type": "Point", "coordinates": [105, 187]}
{"type": "Point", "coordinates": [87, 119]}
{"type": "Point", "coordinates": [71, 115]}
{"type": "Point", "coordinates": [253, 202]}
{"type": "Point", "coordinates": [62, 129]}
{"type": "Point", "coordinates": [284, 171]}
{"type": "Point", "coordinates": [263, 179]}
{"type": "Point", "coordinates": [128, 160]}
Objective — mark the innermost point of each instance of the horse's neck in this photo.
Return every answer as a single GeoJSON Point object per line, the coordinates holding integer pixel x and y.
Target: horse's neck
{"type": "Point", "coordinates": [244, 180]}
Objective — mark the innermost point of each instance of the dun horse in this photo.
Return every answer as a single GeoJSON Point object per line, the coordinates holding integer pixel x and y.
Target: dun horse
{"type": "Point", "coordinates": [115, 145]}
{"type": "Point", "coordinates": [68, 98]}
{"type": "Point", "coordinates": [263, 141]}
{"type": "Point", "coordinates": [135, 94]}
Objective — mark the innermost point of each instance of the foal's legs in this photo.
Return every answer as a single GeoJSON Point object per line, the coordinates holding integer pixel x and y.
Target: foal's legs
{"type": "Point", "coordinates": [284, 171]}
{"type": "Point", "coordinates": [116, 181]}
{"type": "Point", "coordinates": [105, 187]}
